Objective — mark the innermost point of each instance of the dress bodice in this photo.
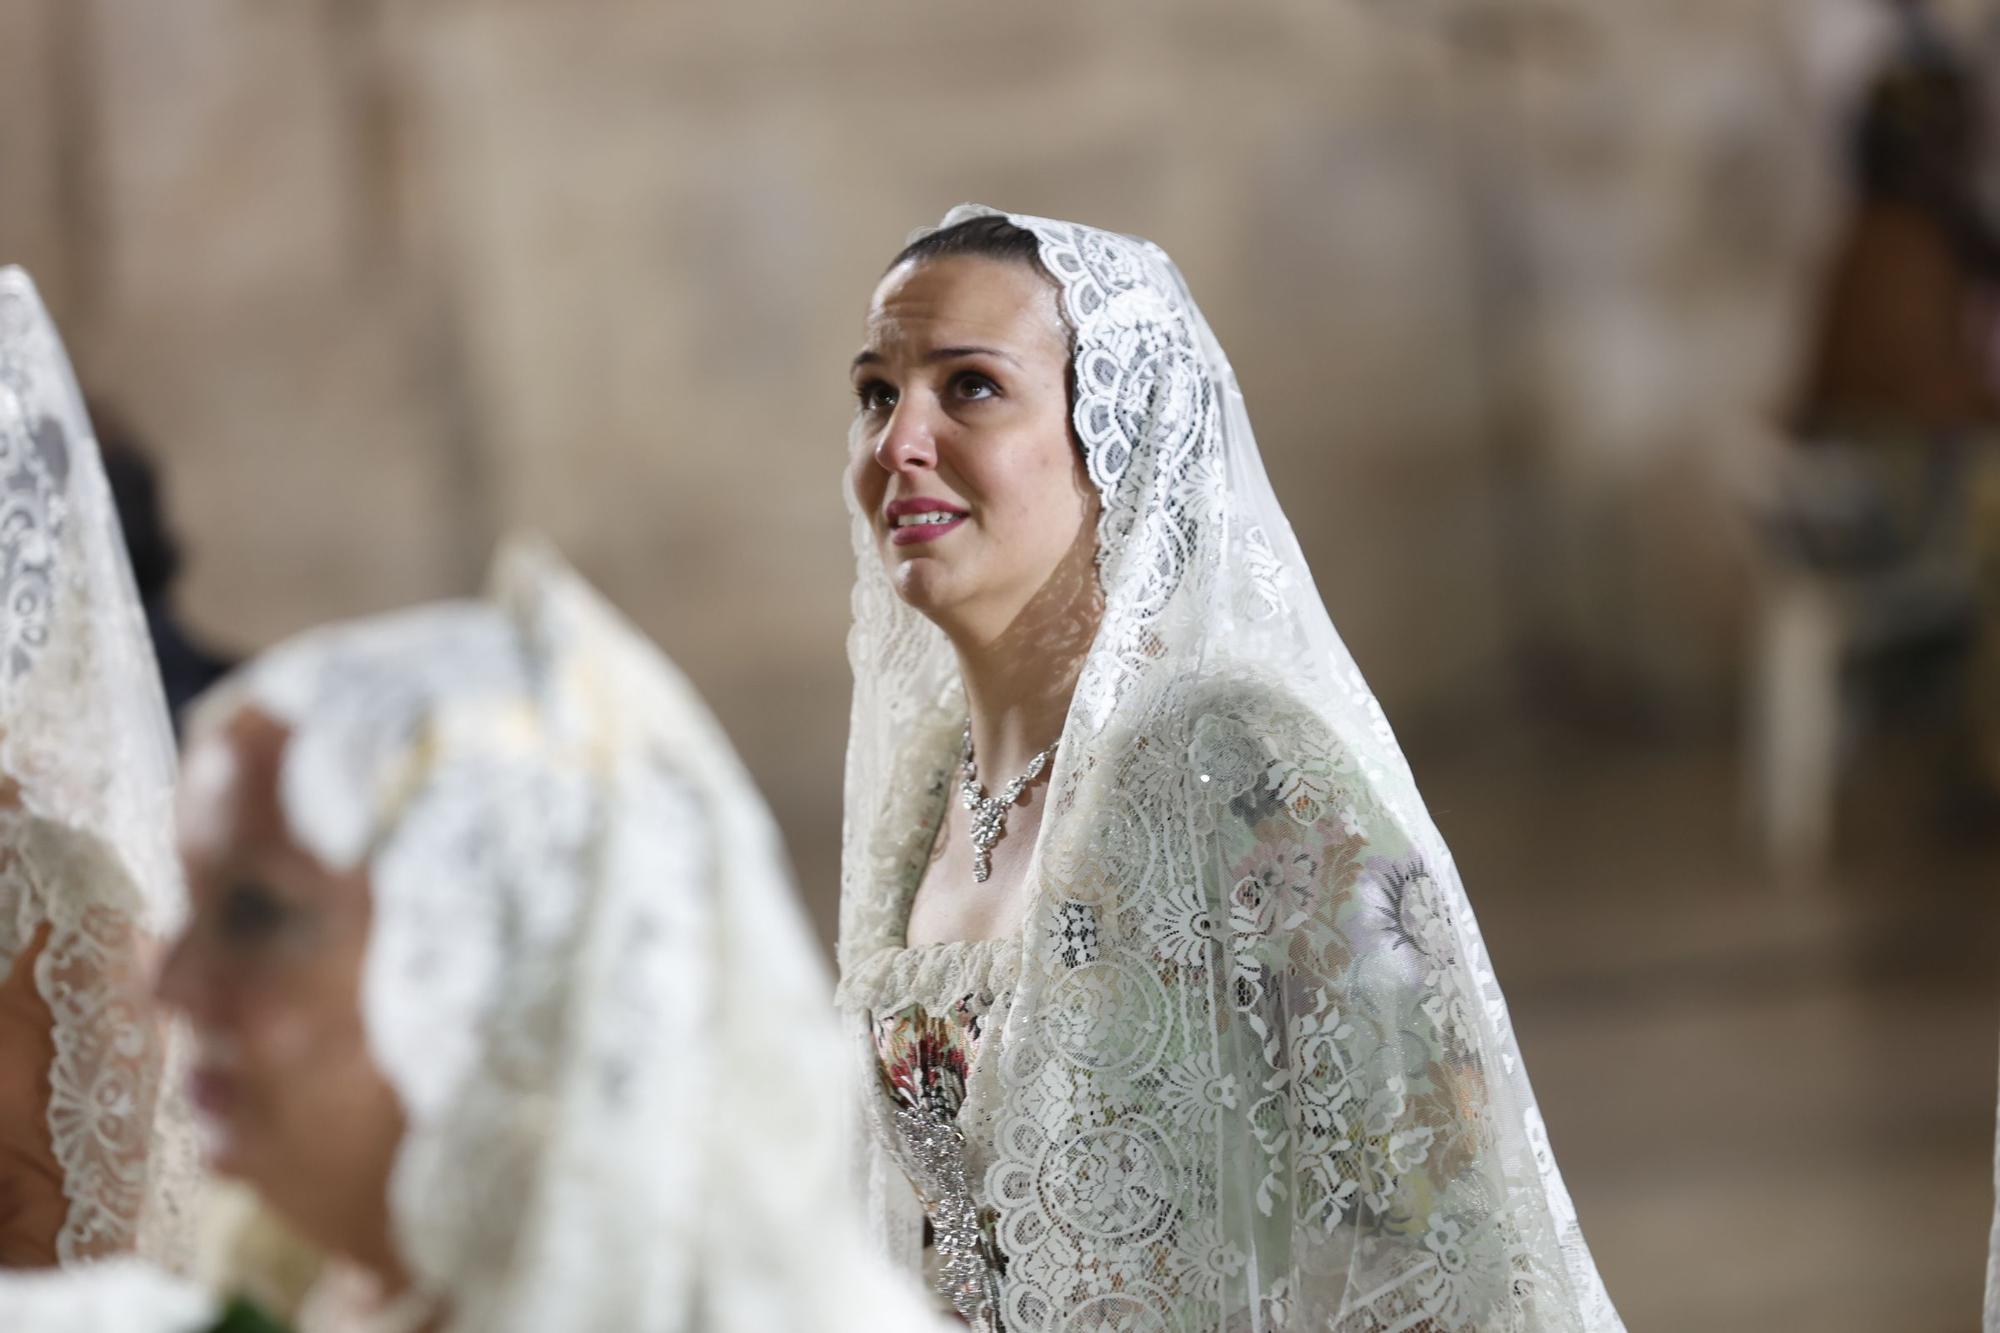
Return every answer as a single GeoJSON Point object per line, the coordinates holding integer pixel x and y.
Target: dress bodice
{"type": "Point", "coordinates": [933, 1015]}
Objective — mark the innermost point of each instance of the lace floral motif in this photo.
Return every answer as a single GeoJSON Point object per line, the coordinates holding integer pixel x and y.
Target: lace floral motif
{"type": "Point", "coordinates": [86, 774]}
{"type": "Point", "coordinates": [1256, 1071]}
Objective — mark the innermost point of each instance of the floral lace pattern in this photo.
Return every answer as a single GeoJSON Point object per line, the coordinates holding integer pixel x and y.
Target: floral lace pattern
{"type": "Point", "coordinates": [86, 774]}
{"type": "Point", "coordinates": [1256, 1071]}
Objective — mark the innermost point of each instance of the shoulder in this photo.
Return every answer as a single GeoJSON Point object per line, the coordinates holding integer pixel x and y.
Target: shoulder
{"type": "Point", "coordinates": [1258, 746]}
{"type": "Point", "coordinates": [1249, 700]}
{"type": "Point", "coordinates": [1240, 710]}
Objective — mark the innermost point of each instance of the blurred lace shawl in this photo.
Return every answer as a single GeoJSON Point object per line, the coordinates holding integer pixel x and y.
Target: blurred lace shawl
{"type": "Point", "coordinates": [587, 977]}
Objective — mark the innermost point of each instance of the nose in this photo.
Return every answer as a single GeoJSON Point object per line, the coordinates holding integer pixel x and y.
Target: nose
{"type": "Point", "coordinates": [909, 442]}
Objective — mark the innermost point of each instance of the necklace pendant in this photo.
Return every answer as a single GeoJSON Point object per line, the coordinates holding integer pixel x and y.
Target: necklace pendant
{"type": "Point", "coordinates": [989, 813]}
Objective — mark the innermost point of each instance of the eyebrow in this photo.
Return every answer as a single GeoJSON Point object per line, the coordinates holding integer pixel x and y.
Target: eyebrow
{"type": "Point", "coordinates": [937, 354]}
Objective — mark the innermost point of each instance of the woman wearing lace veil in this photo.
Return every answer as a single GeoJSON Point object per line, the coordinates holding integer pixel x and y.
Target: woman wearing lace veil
{"type": "Point", "coordinates": [1183, 1021]}
{"type": "Point", "coordinates": [500, 994]}
{"type": "Point", "coordinates": [96, 1153]}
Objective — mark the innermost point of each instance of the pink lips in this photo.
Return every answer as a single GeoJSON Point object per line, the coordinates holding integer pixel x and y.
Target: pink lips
{"type": "Point", "coordinates": [921, 532]}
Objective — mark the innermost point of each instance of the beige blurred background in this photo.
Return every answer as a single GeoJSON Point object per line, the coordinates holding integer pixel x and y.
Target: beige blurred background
{"type": "Point", "coordinates": [1516, 289]}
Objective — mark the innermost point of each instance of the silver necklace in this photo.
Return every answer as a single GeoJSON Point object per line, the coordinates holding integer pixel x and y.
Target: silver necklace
{"type": "Point", "coordinates": [989, 813]}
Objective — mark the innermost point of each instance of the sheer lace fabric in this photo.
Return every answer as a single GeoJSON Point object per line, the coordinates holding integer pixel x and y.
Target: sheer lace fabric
{"type": "Point", "coordinates": [1256, 1072]}
{"type": "Point", "coordinates": [586, 976]}
{"type": "Point", "coordinates": [86, 773]}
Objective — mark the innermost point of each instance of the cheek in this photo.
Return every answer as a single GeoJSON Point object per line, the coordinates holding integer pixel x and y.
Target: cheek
{"type": "Point", "coordinates": [298, 1027]}
{"type": "Point", "coordinates": [1032, 490]}
{"type": "Point", "coordinates": [866, 481]}
{"type": "Point", "coordinates": [318, 1123]}
{"type": "Point", "coordinates": [292, 1035]}
{"type": "Point", "coordinates": [318, 1114]}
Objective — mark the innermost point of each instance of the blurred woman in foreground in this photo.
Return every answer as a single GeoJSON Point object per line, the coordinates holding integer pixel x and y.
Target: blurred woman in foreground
{"type": "Point", "coordinates": [501, 997]}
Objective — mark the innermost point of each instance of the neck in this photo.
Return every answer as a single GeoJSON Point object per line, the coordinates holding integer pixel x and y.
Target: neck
{"type": "Point", "coordinates": [1019, 679]}
{"type": "Point", "coordinates": [1016, 709]}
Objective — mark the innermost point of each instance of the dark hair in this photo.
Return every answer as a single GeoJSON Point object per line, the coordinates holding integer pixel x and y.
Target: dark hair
{"type": "Point", "coordinates": [135, 490]}
{"type": "Point", "coordinates": [987, 237]}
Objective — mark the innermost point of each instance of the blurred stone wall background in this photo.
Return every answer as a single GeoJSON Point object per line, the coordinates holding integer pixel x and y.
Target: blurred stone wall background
{"type": "Point", "coordinates": [1512, 287]}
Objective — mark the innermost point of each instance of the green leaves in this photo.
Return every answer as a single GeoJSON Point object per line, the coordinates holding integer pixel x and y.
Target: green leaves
{"type": "Point", "coordinates": [240, 1316]}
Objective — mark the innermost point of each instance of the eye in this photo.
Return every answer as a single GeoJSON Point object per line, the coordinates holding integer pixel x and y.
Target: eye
{"type": "Point", "coordinates": [251, 914]}
{"type": "Point", "coordinates": [971, 386]}
{"type": "Point", "coordinates": [876, 396]}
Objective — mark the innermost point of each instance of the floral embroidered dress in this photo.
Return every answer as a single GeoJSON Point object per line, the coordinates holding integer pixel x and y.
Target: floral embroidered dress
{"type": "Point", "coordinates": [927, 1052]}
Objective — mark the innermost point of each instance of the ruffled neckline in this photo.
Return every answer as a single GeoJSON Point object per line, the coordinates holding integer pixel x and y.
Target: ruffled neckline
{"type": "Point", "coordinates": [935, 976]}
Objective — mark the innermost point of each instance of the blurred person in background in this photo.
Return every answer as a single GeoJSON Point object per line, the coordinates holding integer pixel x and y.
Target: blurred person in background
{"type": "Point", "coordinates": [502, 999]}
{"type": "Point", "coordinates": [1904, 337]}
{"type": "Point", "coordinates": [187, 665]}
{"type": "Point", "coordinates": [1898, 410]}
{"type": "Point", "coordinates": [96, 1147]}
{"type": "Point", "coordinates": [1174, 1008]}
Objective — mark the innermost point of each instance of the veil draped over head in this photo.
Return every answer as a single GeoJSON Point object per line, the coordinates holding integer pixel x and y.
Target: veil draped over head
{"type": "Point", "coordinates": [1257, 1072]}
{"type": "Point", "coordinates": [586, 976]}
{"type": "Point", "coordinates": [87, 869]}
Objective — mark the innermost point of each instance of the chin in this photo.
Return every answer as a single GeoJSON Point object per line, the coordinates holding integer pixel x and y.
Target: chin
{"type": "Point", "coordinates": [924, 584]}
